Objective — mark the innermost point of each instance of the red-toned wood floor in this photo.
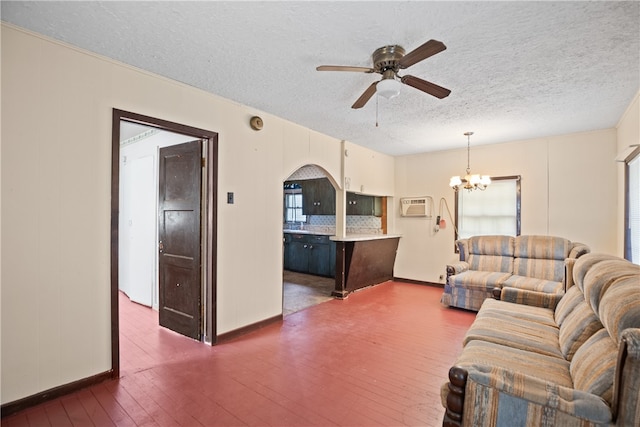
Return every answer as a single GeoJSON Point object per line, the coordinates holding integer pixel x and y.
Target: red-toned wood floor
{"type": "Point", "coordinates": [377, 358]}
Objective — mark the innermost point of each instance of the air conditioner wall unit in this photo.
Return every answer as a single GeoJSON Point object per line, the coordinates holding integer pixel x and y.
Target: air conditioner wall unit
{"type": "Point", "coordinates": [416, 206]}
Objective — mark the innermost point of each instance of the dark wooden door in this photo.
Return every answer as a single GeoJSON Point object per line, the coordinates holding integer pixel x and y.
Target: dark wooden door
{"type": "Point", "coordinates": [179, 204]}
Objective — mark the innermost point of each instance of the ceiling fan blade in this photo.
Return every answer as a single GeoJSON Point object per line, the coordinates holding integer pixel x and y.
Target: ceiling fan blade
{"type": "Point", "coordinates": [425, 86]}
{"type": "Point", "coordinates": [344, 68]}
{"type": "Point", "coordinates": [368, 93]}
{"type": "Point", "coordinates": [428, 49]}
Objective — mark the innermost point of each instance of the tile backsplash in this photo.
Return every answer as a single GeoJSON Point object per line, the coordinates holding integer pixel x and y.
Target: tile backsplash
{"type": "Point", "coordinates": [327, 224]}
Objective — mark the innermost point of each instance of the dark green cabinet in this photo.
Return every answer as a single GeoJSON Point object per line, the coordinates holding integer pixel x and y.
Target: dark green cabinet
{"type": "Point", "coordinates": [318, 197]}
{"type": "Point", "coordinates": [362, 204]}
{"type": "Point", "coordinates": [309, 253]}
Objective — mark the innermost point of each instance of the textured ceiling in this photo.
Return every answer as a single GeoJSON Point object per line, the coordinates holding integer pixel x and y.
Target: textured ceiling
{"type": "Point", "coordinates": [516, 70]}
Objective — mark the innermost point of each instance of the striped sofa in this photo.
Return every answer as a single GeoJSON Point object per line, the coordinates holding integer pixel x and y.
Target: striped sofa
{"type": "Point", "coordinates": [575, 365]}
{"type": "Point", "coordinates": [525, 269]}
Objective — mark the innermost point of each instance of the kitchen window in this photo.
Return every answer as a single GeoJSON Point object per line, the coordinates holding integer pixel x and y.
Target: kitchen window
{"type": "Point", "coordinates": [493, 211]}
{"type": "Point", "coordinates": [293, 206]}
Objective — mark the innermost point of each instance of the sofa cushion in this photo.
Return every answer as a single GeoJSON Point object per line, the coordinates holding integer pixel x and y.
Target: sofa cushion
{"type": "Point", "coordinates": [478, 280]}
{"type": "Point", "coordinates": [620, 306]}
{"type": "Point", "coordinates": [481, 354]}
{"type": "Point", "coordinates": [502, 264]}
{"type": "Point", "coordinates": [533, 283]}
{"type": "Point", "coordinates": [489, 253]}
{"type": "Point", "coordinates": [542, 247]}
{"type": "Point", "coordinates": [578, 327]}
{"type": "Point", "coordinates": [546, 269]}
{"type": "Point", "coordinates": [506, 311]}
{"type": "Point", "coordinates": [594, 364]}
{"type": "Point", "coordinates": [541, 257]}
{"type": "Point", "coordinates": [516, 333]}
{"type": "Point", "coordinates": [490, 245]}
{"type": "Point", "coordinates": [569, 301]}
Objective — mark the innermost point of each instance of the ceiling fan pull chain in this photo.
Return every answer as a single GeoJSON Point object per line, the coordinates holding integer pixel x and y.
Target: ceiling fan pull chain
{"type": "Point", "coordinates": [376, 111]}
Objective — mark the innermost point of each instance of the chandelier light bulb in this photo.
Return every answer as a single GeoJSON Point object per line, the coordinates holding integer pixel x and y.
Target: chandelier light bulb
{"type": "Point", "coordinates": [471, 181]}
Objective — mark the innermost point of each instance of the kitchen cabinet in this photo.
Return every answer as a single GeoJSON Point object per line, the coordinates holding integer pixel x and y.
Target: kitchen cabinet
{"type": "Point", "coordinates": [318, 197]}
{"type": "Point", "coordinates": [309, 253]}
{"type": "Point", "coordinates": [362, 204]}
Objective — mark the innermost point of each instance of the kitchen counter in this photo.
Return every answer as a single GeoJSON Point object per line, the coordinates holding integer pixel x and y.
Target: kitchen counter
{"type": "Point", "coordinates": [317, 233]}
{"type": "Point", "coordinates": [363, 260]}
{"type": "Point", "coordinates": [359, 260]}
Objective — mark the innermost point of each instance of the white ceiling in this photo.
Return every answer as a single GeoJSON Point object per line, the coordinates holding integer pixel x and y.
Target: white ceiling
{"type": "Point", "coordinates": [516, 70]}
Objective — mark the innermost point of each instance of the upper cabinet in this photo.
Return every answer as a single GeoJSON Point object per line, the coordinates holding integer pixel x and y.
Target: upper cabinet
{"type": "Point", "coordinates": [361, 204]}
{"type": "Point", "coordinates": [318, 196]}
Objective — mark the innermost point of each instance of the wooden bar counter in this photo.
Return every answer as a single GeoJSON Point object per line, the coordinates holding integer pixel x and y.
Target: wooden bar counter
{"type": "Point", "coordinates": [363, 260]}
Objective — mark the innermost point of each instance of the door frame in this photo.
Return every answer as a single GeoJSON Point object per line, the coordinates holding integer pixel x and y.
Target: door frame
{"type": "Point", "coordinates": [209, 222]}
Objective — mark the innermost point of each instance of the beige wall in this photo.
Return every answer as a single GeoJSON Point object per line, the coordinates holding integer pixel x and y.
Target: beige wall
{"type": "Point", "coordinates": [57, 106]}
{"type": "Point", "coordinates": [568, 189]}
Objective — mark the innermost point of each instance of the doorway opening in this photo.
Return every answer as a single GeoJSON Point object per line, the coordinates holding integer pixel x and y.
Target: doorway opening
{"type": "Point", "coordinates": [156, 239]}
{"type": "Point", "coordinates": [308, 277]}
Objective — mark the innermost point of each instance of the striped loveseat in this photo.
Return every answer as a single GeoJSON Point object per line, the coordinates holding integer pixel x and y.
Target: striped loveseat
{"type": "Point", "coordinates": [527, 269]}
{"type": "Point", "coordinates": [577, 365]}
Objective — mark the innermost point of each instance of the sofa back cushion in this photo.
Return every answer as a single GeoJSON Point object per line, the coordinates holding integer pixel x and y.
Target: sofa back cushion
{"type": "Point", "coordinates": [584, 264]}
{"type": "Point", "coordinates": [542, 247]}
{"type": "Point", "coordinates": [490, 253]}
{"type": "Point", "coordinates": [578, 326]}
{"type": "Point", "coordinates": [593, 366]}
{"type": "Point", "coordinates": [567, 303]}
{"type": "Point", "coordinates": [541, 257]}
{"type": "Point", "coordinates": [620, 306]}
{"type": "Point", "coordinates": [604, 276]}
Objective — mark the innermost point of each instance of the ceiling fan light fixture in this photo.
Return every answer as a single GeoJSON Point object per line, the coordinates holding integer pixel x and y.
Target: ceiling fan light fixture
{"type": "Point", "coordinates": [388, 88]}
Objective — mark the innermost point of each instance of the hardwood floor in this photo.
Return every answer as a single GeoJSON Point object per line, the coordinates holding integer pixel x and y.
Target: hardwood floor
{"type": "Point", "coordinates": [377, 358]}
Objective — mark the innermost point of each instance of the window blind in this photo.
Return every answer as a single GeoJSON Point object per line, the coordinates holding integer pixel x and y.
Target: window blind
{"type": "Point", "coordinates": [488, 212]}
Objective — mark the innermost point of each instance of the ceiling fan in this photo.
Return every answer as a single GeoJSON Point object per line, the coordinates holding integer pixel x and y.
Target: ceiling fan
{"type": "Point", "coordinates": [387, 60]}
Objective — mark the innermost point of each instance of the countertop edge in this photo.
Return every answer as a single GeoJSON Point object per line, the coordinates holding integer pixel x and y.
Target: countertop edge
{"type": "Point", "coordinates": [347, 238]}
{"type": "Point", "coordinates": [364, 237]}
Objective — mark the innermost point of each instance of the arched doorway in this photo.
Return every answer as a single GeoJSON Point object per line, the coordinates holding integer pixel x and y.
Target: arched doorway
{"type": "Point", "coordinates": [309, 220]}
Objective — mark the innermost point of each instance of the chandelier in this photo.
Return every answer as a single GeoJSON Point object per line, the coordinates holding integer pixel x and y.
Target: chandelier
{"type": "Point", "coordinates": [469, 182]}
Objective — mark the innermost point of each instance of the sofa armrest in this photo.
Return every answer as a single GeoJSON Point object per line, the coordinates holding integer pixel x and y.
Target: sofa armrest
{"type": "Point", "coordinates": [568, 273]}
{"type": "Point", "coordinates": [526, 297]}
{"type": "Point", "coordinates": [463, 249]}
{"type": "Point", "coordinates": [626, 386]}
{"type": "Point", "coordinates": [457, 268]}
{"type": "Point", "coordinates": [509, 393]}
{"type": "Point", "coordinates": [454, 400]}
{"type": "Point", "coordinates": [578, 249]}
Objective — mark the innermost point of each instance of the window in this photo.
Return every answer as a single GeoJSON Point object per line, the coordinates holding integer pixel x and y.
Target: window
{"type": "Point", "coordinates": [632, 208]}
{"type": "Point", "coordinates": [293, 206]}
{"type": "Point", "coordinates": [496, 210]}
